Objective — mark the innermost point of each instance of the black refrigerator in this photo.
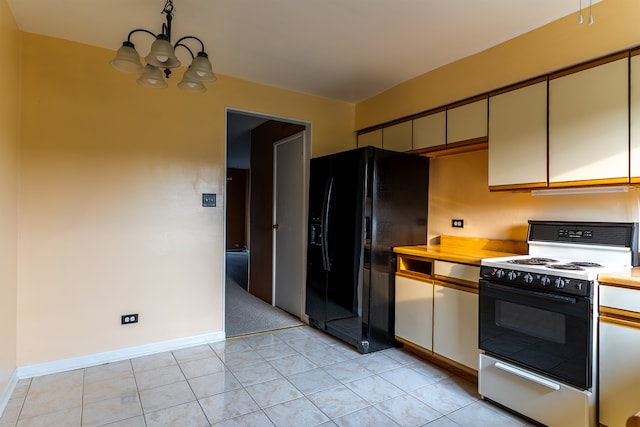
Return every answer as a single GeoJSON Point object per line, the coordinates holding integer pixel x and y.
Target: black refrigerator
{"type": "Point", "coordinates": [362, 203]}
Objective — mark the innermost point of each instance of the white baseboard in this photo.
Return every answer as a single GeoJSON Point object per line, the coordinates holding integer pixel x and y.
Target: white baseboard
{"type": "Point", "coordinates": [8, 391]}
{"type": "Point", "coordinates": [79, 362]}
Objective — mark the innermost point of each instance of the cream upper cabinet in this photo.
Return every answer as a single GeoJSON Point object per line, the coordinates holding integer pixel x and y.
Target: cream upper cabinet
{"type": "Point", "coordinates": [430, 131]}
{"type": "Point", "coordinates": [635, 118]}
{"type": "Point", "coordinates": [518, 138]}
{"type": "Point", "coordinates": [589, 125]}
{"type": "Point", "coordinates": [397, 137]}
{"type": "Point", "coordinates": [467, 122]}
{"type": "Point", "coordinates": [414, 311]}
{"type": "Point", "coordinates": [373, 139]}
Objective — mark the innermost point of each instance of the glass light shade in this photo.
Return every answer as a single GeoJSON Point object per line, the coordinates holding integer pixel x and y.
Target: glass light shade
{"type": "Point", "coordinates": [202, 67]}
{"type": "Point", "coordinates": [127, 59]}
{"type": "Point", "coordinates": [162, 54]}
{"type": "Point", "coordinates": [191, 82]}
{"type": "Point", "coordinates": [152, 77]}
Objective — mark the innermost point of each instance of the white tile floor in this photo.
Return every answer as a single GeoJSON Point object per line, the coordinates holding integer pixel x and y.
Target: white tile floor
{"type": "Point", "coordinates": [292, 377]}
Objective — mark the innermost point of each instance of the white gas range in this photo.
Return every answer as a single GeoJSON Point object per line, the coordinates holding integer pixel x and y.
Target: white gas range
{"type": "Point", "coordinates": [538, 319]}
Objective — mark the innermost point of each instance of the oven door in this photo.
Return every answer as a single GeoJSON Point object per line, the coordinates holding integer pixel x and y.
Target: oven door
{"type": "Point", "coordinates": [543, 331]}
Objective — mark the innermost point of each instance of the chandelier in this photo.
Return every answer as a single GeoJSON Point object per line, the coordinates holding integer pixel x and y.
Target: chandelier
{"type": "Point", "coordinates": [162, 57]}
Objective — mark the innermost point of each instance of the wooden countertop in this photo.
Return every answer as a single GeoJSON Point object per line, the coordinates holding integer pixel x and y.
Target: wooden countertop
{"type": "Point", "coordinates": [626, 278]}
{"type": "Point", "coordinates": [466, 250]}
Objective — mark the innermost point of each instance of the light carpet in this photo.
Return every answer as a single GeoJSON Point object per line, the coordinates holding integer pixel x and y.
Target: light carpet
{"type": "Point", "coordinates": [245, 313]}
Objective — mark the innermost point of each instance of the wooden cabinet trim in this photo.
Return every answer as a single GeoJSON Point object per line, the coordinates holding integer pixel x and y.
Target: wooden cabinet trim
{"type": "Point", "coordinates": [619, 285]}
{"type": "Point", "coordinates": [471, 145]}
{"type": "Point", "coordinates": [518, 187]}
{"type": "Point", "coordinates": [454, 148]}
{"type": "Point", "coordinates": [408, 274]}
{"type": "Point", "coordinates": [457, 284]}
{"type": "Point", "coordinates": [620, 317]}
{"type": "Point", "coordinates": [466, 101]}
{"type": "Point", "coordinates": [590, 182]}
{"type": "Point", "coordinates": [518, 85]}
{"type": "Point", "coordinates": [589, 64]}
{"type": "Point", "coordinates": [429, 112]}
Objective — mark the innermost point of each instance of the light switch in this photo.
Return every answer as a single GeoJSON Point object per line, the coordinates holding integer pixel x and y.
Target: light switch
{"type": "Point", "coordinates": [208, 200]}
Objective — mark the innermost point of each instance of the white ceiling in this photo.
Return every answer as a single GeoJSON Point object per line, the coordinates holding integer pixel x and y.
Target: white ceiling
{"type": "Point", "coordinates": [342, 49]}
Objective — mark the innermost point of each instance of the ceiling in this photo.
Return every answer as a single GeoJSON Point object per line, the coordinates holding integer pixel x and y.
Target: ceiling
{"type": "Point", "coordinates": [348, 50]}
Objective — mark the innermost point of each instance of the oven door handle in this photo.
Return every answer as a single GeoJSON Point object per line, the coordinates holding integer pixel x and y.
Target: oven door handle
{"type": "Point", "coordinates": [527, 376]}
{"type": "Point", "coordinates": [531, 293]}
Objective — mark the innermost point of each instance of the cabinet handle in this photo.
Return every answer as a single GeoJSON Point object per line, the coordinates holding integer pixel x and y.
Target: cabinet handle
{"type": "Point", "coordinates": [527, 376]}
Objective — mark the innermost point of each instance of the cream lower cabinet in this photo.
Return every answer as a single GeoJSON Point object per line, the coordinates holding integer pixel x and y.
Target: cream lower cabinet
{"type": "Point", "coordinates": [619, 355]}
{"type": "Point", "coordinates": [414, 311]}
{"type": "Point", "coordinates": [455, 324]}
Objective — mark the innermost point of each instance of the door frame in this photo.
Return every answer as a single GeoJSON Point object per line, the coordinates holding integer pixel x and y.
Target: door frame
{"type": "Point", "coordinates": [306, 156]}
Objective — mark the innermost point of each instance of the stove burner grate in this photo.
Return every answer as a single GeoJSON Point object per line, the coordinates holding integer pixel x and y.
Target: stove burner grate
{"type": "Point", "coordinates": [570, 266]}
{"type": "Point", "coordinates": [586, 264]}
{"type": "Point", "coordinates": [532, 261]}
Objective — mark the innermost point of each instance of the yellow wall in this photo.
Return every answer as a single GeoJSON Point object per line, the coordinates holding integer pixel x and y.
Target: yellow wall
{"type": "Point", "coordinates": [458, 189]}
{"type": "Point", "coordinates": [110, 201]}
{"type": "Point", "coordinates": [459, 183]}
{"type": "Point", "coordinates": [111, 176]}
{"type": "Point", "coordinates": [549, 48]}
{"type": "Point", "coordinates": [9, 138]}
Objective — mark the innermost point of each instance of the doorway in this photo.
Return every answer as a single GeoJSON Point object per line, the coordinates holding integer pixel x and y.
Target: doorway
{"type": "Point", "coordinates": [252, 305]}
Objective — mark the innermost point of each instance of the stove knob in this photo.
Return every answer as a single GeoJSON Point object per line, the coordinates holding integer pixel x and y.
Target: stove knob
{"type": "Point", "coordinates": [528, 278]}
{"type": "Point", "coordinates": [512, 275]}
{"type": "Point", "coordinates": [559, 283]}
{"type": "Point", "coordinates": [500, 274]}
{"type": "Point", "coordinates": [545, 281]}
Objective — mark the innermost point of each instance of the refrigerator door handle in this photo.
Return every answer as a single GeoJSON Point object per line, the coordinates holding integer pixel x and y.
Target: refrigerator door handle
{"type": "Point", "coordinates": [326, 207]}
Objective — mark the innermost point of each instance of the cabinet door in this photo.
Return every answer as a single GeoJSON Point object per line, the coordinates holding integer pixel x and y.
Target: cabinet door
{"type": "Point", "coordinates": [635, 118]}
{"type": "Point", "coordinates": [619, 372]}
{"type": "Point", "coordinates": [589, 125]}
{"type": "Point", "coordinates": [397, 137]}
{"type": "Point", "coordinates": [455, 325]}
{"type": "Point", "coordinates": [518, 137]}
{"type": "Point", "coordinates": [373, 139]}
{"type": "Point", "coordinates": [430, 131]}
{"type": "Point", "coordinates": [414, 311]}
{"type": "Point", "coordinates": [467, 122]}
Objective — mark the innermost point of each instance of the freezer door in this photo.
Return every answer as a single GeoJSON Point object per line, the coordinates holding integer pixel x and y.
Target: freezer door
{"type": "Point", "coordinates": [399, 194]}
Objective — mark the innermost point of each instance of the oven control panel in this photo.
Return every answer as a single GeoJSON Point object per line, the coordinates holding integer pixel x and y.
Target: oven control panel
{"type": "Point", "coordinates": [547, 282]}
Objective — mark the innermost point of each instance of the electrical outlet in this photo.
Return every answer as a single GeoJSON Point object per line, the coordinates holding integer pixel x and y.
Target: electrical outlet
{"type": "Point", "coordinates": [127, 319]}
{"type": "Point", "coordinates": [457, 223]}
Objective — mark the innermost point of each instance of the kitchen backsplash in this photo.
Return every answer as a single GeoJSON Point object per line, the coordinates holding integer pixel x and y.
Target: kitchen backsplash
{"type": "Point", "coordinates": [458, 189]}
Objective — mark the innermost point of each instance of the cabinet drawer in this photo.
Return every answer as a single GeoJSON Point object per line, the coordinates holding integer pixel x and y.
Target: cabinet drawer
{"type": "Point", "coordinates": [564, 406]}
{"type": "Point", "coordinates": [620, 298]}
{"type": "Point", "coordinates": [453, 270]}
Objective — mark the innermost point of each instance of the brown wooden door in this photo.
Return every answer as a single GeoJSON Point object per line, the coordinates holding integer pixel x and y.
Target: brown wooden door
{"type": "Point", "coordinates": [261, 204]}
{"type": "Point", "coordinates": [237, 218]}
